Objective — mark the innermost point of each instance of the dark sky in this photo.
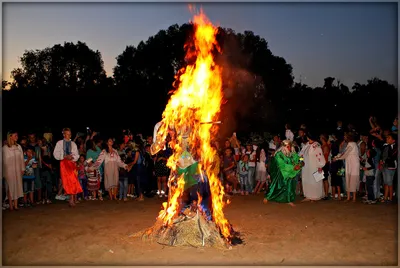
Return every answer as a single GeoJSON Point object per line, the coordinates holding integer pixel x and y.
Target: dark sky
{"type": "Point", "coordinates": [350, 41]}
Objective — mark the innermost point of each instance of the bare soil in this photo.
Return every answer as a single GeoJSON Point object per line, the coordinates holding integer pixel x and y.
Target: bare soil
{"type": "Point", "coordinates": [97, 233]}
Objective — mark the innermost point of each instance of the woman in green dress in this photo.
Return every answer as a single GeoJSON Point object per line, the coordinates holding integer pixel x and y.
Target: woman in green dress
{"type": "Point", "coordinates": [285, 165]}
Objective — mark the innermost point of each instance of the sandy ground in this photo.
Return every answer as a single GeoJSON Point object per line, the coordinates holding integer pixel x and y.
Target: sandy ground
{"type": "Point", "coordinates": [323, 233]}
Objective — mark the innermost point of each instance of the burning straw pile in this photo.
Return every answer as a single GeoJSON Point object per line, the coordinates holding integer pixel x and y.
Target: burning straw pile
{"type": "Point", "coordinates": [189, 229]}
{"type": "Point", "coordinates": [191, 118]}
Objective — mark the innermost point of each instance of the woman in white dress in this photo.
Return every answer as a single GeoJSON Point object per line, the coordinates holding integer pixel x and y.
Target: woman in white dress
{"type": "Point", "coordinates": [13, 169]}
{"type": "Point", "coordinates": [314, 160]}
{"type": "Point", "coordinates": [352, 162]}
{"type": "Point", "coordinates": [112, 163]}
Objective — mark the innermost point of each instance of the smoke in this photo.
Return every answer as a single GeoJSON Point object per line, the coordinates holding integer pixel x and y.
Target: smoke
{"type": "Point", "coordinates": [240, 86]}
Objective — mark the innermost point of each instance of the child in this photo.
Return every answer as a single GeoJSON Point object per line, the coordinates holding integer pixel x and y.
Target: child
{"type": "Point", "coordinates": [229, 166]}
{"type": "Point", "coordinates": [244, 175]}
{"type": "Point", "coordinates": [80, 166]}
{"type": "Point", "coordinates": [369, 172]}
{"type": "Point", "coordinates": [93, 180]}
{"type": "Point", "coordinates": [28, 178]}
{"type": "Point", "coordinates": [123, 180]}
{"type": "Point", "coordinates": [47, 176]}
{"type": "Point", "coordinates": [131, 173]}
{"type": "Point", "coordinates": [261, 172]}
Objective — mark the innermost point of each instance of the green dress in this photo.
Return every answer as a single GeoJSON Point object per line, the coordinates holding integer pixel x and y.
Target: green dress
{"type": "Point", "coordinates": [189, 174]}
{"type": "Point", "coordinates": [283, 178]}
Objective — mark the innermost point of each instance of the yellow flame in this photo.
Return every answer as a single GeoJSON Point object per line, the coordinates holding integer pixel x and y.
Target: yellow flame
{"type": "Point", "coordinates": [198, 98]}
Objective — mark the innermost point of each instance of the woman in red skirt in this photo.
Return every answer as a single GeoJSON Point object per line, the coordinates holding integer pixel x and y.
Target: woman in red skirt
{"type": "Point", "coordinates": [67, 152]}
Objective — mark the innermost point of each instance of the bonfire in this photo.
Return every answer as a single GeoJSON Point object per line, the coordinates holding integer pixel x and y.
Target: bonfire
{"type": "Point", "coordinates": [190, 122]}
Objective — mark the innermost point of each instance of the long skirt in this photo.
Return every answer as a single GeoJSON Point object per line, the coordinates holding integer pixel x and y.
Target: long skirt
{"type": "Point", "coordinates": [281, 190]}
{"type": "Point", "coordinates": [352, 176]}
{"type": "Point", "coordinates": [69, 177]}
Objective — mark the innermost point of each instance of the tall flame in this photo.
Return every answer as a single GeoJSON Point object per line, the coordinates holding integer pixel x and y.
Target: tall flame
{"type": "Point", "coordinates": [197, 99]}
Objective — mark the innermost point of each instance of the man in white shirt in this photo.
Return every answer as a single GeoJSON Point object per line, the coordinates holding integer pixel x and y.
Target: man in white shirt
{"type": "Point", "coordinates": [67, 152]}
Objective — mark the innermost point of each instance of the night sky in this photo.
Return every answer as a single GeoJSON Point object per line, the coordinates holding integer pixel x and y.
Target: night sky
{"type": "Point", "coordinates": [352, 42]}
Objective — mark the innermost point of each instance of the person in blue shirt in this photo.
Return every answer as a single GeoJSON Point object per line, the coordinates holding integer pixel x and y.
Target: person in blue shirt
{"type": "Point", "coordinates": [28, 179]}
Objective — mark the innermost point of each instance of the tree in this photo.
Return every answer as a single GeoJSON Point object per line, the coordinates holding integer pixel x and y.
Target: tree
{"type": "Point", "coordinates": [328, 82]}
{"type": "Point", "coordinates": [71, 73]}
{"type": "Point", "coordinates": [377, 97]}
{"type": "Point", "coordinates": [258, 86]}
{"type": "Point", "coordinates": [5, 85]}
{"type": "Point", "coordinates": [69, 68]}
{"type": "Point", "coordinates": [153, 64]}
{"type": "Point", "coordinates": [252, 74]}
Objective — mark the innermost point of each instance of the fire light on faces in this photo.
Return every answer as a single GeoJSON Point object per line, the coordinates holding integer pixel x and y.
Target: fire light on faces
{"type": "Point", "coordinates": [197, 99]}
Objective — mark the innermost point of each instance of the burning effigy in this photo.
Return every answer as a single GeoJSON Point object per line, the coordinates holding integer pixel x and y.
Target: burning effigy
{"type": "Point", "coordinates": [193, 215]}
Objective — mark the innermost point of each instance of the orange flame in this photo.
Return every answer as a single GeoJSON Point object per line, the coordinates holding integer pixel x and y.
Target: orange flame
{"type": "Point", "coordinates": [169, 212]}
{"type": "Point", "coordinates": [198, 98]}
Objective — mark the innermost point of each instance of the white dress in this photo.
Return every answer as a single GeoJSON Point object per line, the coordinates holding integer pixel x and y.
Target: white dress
{"type": "Point", "coordinates": [352, 162]}
{"type": "Point", "coordinates": [313, 159]}
{"type": "Point", "coordinates": [13, 165]}
{"type": "Point", "coordinates": [112, 163]}
{"type": "Point", "coordinates": [261, 169]}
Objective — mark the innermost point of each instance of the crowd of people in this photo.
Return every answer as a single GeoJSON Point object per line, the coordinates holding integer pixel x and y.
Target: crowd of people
{"type": "Point", "coordinates": [340, 165]}
{"type": "Point", "coordinates": [39, 171]}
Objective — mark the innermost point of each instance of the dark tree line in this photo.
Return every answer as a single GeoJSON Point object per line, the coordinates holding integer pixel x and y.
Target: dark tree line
{"type": "Point", "coordinates": [67, 85]}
